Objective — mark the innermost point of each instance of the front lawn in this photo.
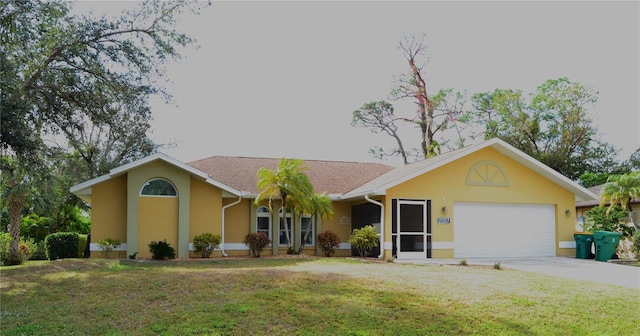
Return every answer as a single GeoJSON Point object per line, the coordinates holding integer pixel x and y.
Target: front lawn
{"type": "Point", "coordinates": [307, 296]}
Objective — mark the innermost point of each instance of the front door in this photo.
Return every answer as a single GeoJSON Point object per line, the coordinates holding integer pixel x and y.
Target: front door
{"type": "Point", "coordinates": [413, 232]}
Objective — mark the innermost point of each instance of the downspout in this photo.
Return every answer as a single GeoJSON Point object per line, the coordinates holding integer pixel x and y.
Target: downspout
{"type": "Point", "coordinates": [381, 223]}
{"type": "Point", "coordinates": [224, 254]}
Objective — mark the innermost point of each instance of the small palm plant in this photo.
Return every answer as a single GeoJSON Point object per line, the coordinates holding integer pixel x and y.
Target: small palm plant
{"type": "Point", "coordinates": [621, 189]}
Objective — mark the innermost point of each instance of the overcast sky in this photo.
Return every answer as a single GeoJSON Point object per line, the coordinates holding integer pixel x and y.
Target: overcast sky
{"type": "Point", "coordinates": [281, 79]}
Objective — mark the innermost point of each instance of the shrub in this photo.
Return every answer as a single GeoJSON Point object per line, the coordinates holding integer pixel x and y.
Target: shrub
{"type": "Point", "coordinates": [161, 250]}
{"type": "Point", "coordinates": [204, 244]}
{"type": "Point", "coordinates": [497, 266]}
{"type": "Point", "coordinates": [26, 248]}
{"type": "Point", "coordinates": [463, 262]}
{"type": "Point", "coordinates": [597, 220]}
{"type": "Point", "coordinates": [256, 241]}
{"type": "Point", "coordinates": [107, 246]}
{"type": "Point", "coordinates": [40, 252]}
{"type": "Point", "coordinates": [328, 242]}
{"type": "Point", "coordinates": [61, 245]}
{"type": "Point", "coordinates": [364, 239]}
{"type": "Point", "coordinates": [83, 240]}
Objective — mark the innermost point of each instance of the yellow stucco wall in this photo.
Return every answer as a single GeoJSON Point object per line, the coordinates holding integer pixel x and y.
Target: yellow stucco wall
{"type": "Point", "coordinates": [109, 212]}
{"type": "Point", "coordinates": [205, 207]}
{"type": "Point", "coordinates": [136, 179]}
{"type": "Point", "coordinates": [448, 184]}
{"type": "Point", "coordinates": [238, 225]}
{"type": "Point", "coordinates": [157, 221]}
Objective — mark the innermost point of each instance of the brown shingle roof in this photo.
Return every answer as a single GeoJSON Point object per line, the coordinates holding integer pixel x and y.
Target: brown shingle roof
{"type": "Point", "coordinates": [332, 177]}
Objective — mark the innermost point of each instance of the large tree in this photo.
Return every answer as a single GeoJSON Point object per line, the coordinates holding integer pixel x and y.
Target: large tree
{"type": "Point", "coordinates": [552, 125]}
{"type": "Point", "coordinates": [434, 114]}
{"type": "Point", "coordinates": [82, 80]}
{"type": "Point", "coordinates": [61, 71]}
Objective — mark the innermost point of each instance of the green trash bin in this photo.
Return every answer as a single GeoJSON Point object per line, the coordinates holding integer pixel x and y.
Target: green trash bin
{"type": "Point", "coordinates": [584, 240]}
{"type": "Point", "coordinates": [606, 243]}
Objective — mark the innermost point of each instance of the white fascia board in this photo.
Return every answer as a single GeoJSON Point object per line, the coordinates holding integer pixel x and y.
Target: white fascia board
{"type": "Point", "coordinates": [84, 188]}
{"type": "Point", "coordinates": [361, 194]}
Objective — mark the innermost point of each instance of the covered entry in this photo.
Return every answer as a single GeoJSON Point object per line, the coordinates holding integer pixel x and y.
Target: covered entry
{"type": "Point", "coordinates": [483, 230]}
{"type": "Point", "coordinates": [411, 228]}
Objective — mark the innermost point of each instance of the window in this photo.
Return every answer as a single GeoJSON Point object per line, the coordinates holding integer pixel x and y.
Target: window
{"type": "Point", "coordinates": [158, 187]}
{"type": "Point", "coordinates": [283, 229]}
{"type": "Point", "coordinates": [306, 223]}
{"type": "Point", "coordinates": [263, 221]}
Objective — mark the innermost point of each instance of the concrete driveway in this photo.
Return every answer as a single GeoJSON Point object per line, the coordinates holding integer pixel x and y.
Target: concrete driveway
{"type": "Point", "coordinates": [565, 267]}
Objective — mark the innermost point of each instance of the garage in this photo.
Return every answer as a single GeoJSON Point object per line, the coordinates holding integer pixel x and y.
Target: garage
{"type": "Point", "coordinates": [486, 230]}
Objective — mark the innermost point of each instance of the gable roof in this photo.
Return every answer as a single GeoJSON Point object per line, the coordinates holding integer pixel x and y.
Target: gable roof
{"type": "Point", "coordinates": [405, 173]}
{"type": "Point", "coordinates": [332, 177]}
{"type": "Point", "coordinates": [83, 190]}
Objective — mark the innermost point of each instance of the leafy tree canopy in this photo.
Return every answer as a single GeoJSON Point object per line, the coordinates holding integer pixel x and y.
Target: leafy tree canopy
{"type": "Point", "coordinates": [551, 125]}
{"type": "Point", "coordinates": [85, 78]}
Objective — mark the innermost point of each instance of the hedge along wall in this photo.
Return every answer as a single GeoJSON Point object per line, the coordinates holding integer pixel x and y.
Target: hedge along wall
{"type": "Point", "coordinates": [65, 245]}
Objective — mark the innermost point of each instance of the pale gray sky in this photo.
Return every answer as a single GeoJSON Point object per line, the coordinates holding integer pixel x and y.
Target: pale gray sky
{"type": "Point", "coordinates": [281, 79]}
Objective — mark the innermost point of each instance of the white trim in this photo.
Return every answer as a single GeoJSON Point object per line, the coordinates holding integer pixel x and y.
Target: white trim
{"type": "Point", "coordinates": [344, 246]}
{"type": "Point", "coordinates": [442, 245]}
{"type": "Point", "coordinates": [236, 247]}
{"type": "Point", "coordinates": [567, 244]}
{"type": "Point", "coordinates": [402, 174]}
{"type": "Point", "coordinates": [95, 247]}
{"type": "Point", "coordinates": [85, 187]}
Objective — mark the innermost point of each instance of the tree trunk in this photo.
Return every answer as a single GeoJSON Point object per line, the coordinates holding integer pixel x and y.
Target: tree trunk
{"type": "Point", "coordinates": [16, 202]}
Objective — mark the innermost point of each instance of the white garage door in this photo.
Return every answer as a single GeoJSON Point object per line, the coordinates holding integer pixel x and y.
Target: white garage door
{"type": "Point", "coordinates": [483, 230]}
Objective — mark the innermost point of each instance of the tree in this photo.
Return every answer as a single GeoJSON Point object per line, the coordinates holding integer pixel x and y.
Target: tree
{"type": "Point", "coordinates": [321, 206]}
{"type": "Point", "coordinates": [290, 184]}
{"type": "Point", "coordinates": [620, 190]}
{"type": "Point", "coordinates": [18, 189]}
{"type": "Point", "coordinates": [60, 71]}
{"type": "Point", "coordinates": [435, 113]}
{"type": "Point", "coordinates": [552, 126]}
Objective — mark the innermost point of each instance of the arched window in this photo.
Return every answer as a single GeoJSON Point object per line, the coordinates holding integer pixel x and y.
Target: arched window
{"type": "Point", "coordinates": [158, 187]}
{"type": "Point", "coordinates": [282, 232]}
{"type": "Point", "coordinates": [263, 220]}
{"type": "Point", "coordinates": [307, 223]}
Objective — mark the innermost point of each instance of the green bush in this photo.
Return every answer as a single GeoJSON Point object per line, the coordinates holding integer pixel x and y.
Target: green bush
{"type": "Point", "coordinates": [83, 239]}
{"type": "Point", "coordinates": [62, 245]}
{"type": "Point", "coordinates": [597, 220]}
{"type": "Point", "coordinates": [26, 248]}
{"type": "Point", "coordinates": [40, 252]}
{"type": "Point", "coordinates": [161, 250]}
{"type": "Point", "coordinates": [107, 245]}
{"type": "Point", "coordinates": [328, 242]}
{"type": "Point", "coordinates": [256, 241]}
{"type": "Point", "coordinates": [204, 244]}
{"type": "Point", "coordinates": [364, 239]}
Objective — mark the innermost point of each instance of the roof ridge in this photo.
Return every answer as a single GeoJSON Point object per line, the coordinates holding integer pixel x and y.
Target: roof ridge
{"type": "Point", "coordinates": [273, 158]}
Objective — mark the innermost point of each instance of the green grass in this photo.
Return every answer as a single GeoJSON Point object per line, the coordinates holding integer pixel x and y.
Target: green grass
{"type": "Point", "coordinates": [310, 296]}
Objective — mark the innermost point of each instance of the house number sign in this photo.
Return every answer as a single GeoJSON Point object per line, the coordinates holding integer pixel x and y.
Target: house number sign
{"type": "Point", "coordinates": [444, 220]}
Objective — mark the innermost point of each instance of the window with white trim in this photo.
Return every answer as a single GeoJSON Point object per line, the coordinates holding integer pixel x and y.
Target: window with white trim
{"type": "Point", "coordinates": [158, 187]}
{"type": "Point", "coordinates": [282, 231]}
{"type": "Point", "coordinates": [307, 223]}
{"type": "Point", "coordinates": [263, 220]}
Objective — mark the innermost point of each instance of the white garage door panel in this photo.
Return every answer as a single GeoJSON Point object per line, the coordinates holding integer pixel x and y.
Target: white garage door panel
{"type": "Point", "coordinates": [483, 230]}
